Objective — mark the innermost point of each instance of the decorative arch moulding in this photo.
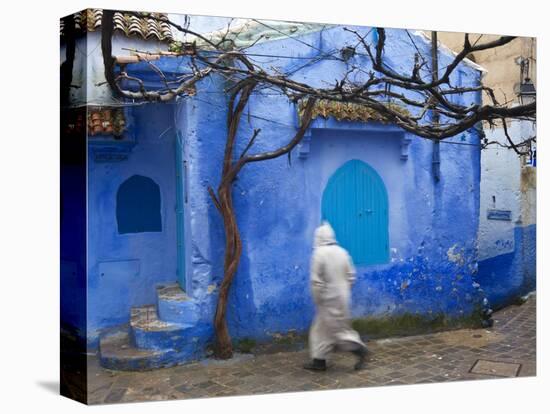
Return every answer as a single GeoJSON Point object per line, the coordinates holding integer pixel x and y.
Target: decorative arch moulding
{"type": "Point", "coordinates": [331, 123]}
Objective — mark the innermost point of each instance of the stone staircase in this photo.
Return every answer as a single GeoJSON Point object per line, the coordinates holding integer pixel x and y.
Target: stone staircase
{"type": "Point", "coordinates": [161, 335]}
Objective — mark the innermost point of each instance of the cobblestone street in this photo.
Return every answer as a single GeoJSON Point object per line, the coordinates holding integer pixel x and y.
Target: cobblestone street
{"type": "Point", "coordinates": [507, 349]}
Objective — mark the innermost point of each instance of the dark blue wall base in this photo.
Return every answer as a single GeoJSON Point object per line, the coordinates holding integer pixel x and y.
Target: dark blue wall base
{"type": "Point", "coordinates": [422, 288]}
{"type": "Point", "coordinates": [506, 277]}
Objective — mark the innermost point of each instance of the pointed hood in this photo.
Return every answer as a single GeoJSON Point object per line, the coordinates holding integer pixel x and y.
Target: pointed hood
{"type": "Point", "coordinates": [324, 235]}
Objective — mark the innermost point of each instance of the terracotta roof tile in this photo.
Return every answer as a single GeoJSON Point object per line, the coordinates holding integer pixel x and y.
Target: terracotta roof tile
{"type": "Point", "coordinates": [106, 121]}
{"type": "Point", "coordinates": [144, 27]}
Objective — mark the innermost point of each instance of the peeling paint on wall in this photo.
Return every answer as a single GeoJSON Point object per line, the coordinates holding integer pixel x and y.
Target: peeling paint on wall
{"type": "Point", "coordinates": [455, 255]}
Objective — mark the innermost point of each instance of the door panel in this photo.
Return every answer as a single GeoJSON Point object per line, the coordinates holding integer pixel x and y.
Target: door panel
{"type": "Point", "coordinates": [355, 203]}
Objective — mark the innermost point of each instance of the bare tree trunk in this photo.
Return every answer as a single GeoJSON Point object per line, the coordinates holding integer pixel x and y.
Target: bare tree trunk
{"type": "Point", "coordinates": [224, 203]}
{"type": "Point", "coordinates": [233, 249]}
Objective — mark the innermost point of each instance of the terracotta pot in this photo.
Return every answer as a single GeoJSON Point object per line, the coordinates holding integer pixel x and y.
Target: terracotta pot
{"type": "Point", "coordinates": [107, 115]}
{"type": "Point", "coordinates": [96, 116]}
{"type": "Point", "coordinates": [97, 129]}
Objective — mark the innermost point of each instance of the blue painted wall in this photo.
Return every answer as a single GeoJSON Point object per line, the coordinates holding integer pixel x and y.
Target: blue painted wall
{"type": "Point", "coordinates": [432, 226]}
{"type": "Point", "coordinates": [123, 269]}
{"type": "Point", "coordinates": [73, 246]}
{"type": "Point", "coordinates": [507, 276]}
{"type": "Point", "coordinates": [73, 267]}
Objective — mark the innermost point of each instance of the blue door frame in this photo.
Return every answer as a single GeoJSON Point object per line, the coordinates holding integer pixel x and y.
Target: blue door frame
{"type": "Point", "coordinates": [355, 203]}
{"type": "Point", "coordinates": [180, 203]}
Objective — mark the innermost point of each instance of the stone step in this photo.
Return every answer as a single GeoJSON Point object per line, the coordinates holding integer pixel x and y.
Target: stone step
{"type": "Point", "coordinates": [164, 335]}
{"type": "Point", "coordinates": [147, 331]}
{"type": "Point", "coordinates": [117, 352]}
{"type": "Point", "coordinates": [174, 306]}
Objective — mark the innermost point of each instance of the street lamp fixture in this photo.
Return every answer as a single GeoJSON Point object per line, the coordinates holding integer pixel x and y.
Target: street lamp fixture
{"type": "Point", "coordinates": [527, 92]}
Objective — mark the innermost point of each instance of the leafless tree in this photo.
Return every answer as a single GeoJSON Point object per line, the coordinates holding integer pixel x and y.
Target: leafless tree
{"type": "Point", "coordinates": [436, 116]}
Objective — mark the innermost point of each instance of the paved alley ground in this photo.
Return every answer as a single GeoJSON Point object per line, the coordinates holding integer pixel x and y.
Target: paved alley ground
{"type": "Point", "coordinates": [508, 349]}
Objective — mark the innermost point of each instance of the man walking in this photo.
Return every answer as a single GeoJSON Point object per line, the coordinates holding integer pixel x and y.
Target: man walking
{"type": "Point", "coordinates": [332, 274]}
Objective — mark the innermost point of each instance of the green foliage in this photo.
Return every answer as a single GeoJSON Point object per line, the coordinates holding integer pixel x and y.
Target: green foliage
{"type": "Point", "coordinates": [345, 111]}
{"type": "Point", "coordinates": [410, 324]}
{"type": "Point", "coordinates": [176, 47]}
{"type": "Point", "coordinates": [245, 345]}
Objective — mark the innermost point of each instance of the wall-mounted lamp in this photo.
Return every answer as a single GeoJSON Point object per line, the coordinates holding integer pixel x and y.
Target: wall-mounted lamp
{"type": "Point", "coordinates": [527, 92]}
{"type": "Point", "coordinates": [347, 53]}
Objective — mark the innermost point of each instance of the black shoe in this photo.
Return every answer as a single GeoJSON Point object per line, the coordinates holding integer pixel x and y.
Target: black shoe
{"type": "Point", "coordinates": [362, 355]}
{"type": "Point", "coordinates": [316, 365]}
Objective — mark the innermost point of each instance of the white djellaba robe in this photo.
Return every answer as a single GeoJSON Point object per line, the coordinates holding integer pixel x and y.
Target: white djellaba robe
{"type": "Point", "coordinates": [332, 275]}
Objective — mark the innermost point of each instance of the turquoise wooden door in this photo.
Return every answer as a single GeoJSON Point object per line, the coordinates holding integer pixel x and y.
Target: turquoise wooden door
{"type": "Point", "coordinates": [355, 203]}
{"type": "Point", "coordinates": [180, 202]}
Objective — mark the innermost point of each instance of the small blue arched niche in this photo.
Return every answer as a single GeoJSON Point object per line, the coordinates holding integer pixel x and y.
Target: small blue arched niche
{"type": "Point", "coordinates": [355, 203]}
{"type": "Point", "coordinates": [138, 206]}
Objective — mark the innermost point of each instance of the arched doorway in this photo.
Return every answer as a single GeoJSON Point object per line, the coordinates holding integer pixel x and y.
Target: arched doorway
{"type": "Point", "coordinates": [355, 203]}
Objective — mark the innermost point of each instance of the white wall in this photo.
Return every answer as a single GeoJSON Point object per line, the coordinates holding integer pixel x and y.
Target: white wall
{"type": "Point", "coordinates": [501, 178]}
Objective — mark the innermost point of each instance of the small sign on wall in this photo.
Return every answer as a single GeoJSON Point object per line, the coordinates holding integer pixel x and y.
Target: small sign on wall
{"type": "Point", "coordinates": [494, 214]}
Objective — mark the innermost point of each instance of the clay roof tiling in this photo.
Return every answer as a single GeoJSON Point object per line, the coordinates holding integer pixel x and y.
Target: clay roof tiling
{"type": "Point", "coordinates": [106, 121]}
{"type": "Point", "coordinates": [89, 20]}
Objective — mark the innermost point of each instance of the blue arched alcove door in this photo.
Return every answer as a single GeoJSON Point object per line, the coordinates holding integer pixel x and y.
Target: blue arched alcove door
{"type": "Point", "coordinates": [355, 203]}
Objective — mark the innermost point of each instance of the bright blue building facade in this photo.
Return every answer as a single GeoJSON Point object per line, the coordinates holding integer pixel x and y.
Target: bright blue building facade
{"type": "Point", "coordinates": [156, 241]}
